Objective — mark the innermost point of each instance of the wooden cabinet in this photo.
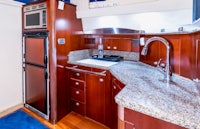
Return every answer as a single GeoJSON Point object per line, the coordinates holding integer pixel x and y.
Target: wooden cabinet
{"type": "Point", "coordinates": [77, 88]}
{"type": "Point", "coordinates": [117, 44]}
{"type": "Point", "coordinates": [116, 88]}
{"type": "Point", "coordinates": [90, 92]}
{"type": "Point", "coordinates": [136, 120]}
{"type": "Point", "coordinates": [98, 98]}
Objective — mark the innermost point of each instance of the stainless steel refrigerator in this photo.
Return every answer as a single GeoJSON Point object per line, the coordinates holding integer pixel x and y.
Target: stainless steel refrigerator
{"type": "Point", "coordinates": [36, 72]}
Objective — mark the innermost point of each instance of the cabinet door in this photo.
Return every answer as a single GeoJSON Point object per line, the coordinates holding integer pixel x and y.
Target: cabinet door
{"type": "Point", "coordinates": [115, 91]}
{"type": "Point", "coordinates": [197, 60]}
{"type": "Point", "coordinates": [116, 87]}
{"type": "Point", "coordinates": [121, 45]}
{"type": "Point", "coordinates": [98, 98]}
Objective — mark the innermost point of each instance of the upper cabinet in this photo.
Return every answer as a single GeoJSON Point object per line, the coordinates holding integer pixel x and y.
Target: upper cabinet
{"type": "Point", "coordinates": [115, 7]}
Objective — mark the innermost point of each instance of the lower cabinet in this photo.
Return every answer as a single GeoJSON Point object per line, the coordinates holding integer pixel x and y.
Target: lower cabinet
{"type": "Point", "coordinates": [98, 98]}
{"type": "Point", "coordinates": [136, 120]}
{"type": "Point", "coordinates": [90, 93]}
{"type": "Point", "coordinates": [116, 86]}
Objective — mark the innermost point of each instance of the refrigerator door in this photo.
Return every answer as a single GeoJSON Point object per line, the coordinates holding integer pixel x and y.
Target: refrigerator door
{"type": "Point", "coordinates": [36, 88]}
{"type": "Point", "coordinates": [35, 51]}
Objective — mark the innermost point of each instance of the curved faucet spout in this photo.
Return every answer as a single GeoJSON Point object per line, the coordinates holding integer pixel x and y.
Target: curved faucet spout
{"type": "Point", "coordinates": [165, 42]}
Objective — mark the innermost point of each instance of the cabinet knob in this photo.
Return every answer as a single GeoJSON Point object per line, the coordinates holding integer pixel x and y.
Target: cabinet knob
{"type": "Point", "coordinates": [77, 92]}
{"type": "Point", "coordinates": [114, 87]}
{"type": "Point", "coordinates": [101, 80]}
{"type": "Point", "coordinates": [108, 47]}
{"type": "Point", "coordinates": [115, 48]}
{"type": "Point", "coordinates": [78, 74]}
{"type": "Point", "coordinates": [76, 83]}
{"type": "Point", "coordinates": [77, 103]}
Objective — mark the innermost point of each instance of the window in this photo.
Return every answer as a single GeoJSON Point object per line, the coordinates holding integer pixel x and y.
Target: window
{"type": "Point", "coordinates": [196, 9]}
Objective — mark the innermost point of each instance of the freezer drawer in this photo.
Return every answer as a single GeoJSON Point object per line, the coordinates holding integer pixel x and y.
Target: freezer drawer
{"type": "Point", "coordinates": [36, 88]}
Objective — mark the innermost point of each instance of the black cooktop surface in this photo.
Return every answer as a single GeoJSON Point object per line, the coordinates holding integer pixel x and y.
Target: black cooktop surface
{"type": "Point", "coordinates": [113, 58]}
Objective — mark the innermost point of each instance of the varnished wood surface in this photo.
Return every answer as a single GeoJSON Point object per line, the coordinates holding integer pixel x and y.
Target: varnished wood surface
{"type": "Point", "coordinates": [70, 121]}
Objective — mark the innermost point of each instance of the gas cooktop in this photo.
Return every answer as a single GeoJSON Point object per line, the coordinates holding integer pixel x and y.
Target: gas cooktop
{"type": "Point", "coordinates": [113, 58]}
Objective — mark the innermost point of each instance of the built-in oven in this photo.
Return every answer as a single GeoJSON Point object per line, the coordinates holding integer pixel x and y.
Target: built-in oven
{"type": "Point", "coordinates": [35, 16]}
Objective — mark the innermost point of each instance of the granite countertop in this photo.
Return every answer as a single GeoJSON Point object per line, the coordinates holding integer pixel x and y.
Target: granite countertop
{"type": "Point", "coordinates": [177, 102]}
{"type": "Point", "coordinates": [145, 91]}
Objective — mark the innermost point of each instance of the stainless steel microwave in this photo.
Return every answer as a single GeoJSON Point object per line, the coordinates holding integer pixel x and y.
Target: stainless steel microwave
{"type": "Point", "coordinates": [35, 16]}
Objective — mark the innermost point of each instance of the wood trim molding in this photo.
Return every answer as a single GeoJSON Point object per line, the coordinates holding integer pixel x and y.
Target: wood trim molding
{"type": "Point", "coordinates": [11, 109]}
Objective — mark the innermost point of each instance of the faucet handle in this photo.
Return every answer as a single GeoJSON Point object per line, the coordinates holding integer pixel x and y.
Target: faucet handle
{"type": "Point", "coordinates": [157, 63]}
{"type": "Point", "coordinates": [163, 65]}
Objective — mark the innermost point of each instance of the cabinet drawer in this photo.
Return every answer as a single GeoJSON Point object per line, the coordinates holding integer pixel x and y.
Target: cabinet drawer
{"type": "Point", "coordinates": [77, 75]}
{"type": "Point", "coordinates": [77, 94]}
{"type": "Point", "coordinates": [78, 107]}
{"type": "Point", "coordinates": [77, 84]}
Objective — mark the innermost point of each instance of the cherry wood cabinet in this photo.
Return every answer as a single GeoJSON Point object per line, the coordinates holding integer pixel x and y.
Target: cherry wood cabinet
{"type": "Point", "coordinates": [116, 88]}
{"type": "Point", "coordinates": [98, 98]}
{"type": "Point", "coordinates": [77, 88]}
{"type": "Point", "coordinates": [90, 92]}
{"type": "Point", "coordinates": [117, 44]}
{"type": "Point", "coordinates": [136, 120]}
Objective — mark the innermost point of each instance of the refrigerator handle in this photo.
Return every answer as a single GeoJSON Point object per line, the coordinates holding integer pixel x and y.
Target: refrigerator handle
{"type": "Point", "coordinates": [45, 59]}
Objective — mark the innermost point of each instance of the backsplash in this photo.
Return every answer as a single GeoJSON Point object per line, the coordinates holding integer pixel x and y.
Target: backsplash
{"type": "Point", "coordinates": [87, 53]}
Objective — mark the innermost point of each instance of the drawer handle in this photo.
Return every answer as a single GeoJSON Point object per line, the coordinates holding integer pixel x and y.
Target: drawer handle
{"type": "Point", "coordinates": [108, 47]}
{"type": "Point", "coordinates": [76, 83]}
{"type": "Point", "coordinates": [78, 74]}
{"type": "Point", "coordinates": [77, 103]}
{"type": "Point", "coordinates": [101, 80]}
{"type": "Point", "coordinates": [77, 92]}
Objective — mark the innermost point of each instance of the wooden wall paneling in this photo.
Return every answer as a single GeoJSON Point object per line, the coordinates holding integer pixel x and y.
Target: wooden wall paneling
{"type": "Point", "coordinates": [175, 49]}
{"type": "Point", "coordinates": [51, 14]}
{"type": "Point", "coordinates": [186, 56]}
{"type": "Point", "coordinates": [152, 54]}
{"type": "Point", "coordinates": [61, 24]}
{"type": "Point", "coordinates": [197, 56]}
{"type": "Point", "coordinates": [66, 28]}
{"type": "Point", "coordinates": [181, 53]}
{"type": "Point", "coordinates": [197, 74]}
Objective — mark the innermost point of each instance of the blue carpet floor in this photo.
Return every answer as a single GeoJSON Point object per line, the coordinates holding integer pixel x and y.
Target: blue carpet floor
{"type": "Point", "coordinates": [20, 120]}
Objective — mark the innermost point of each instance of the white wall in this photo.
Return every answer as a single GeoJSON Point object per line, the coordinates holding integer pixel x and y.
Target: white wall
{"type": "Point", "coordinates": [10, 54]}
{"type": "Point", "coordinates": [149, 16]}
{"type": "Point", "coordinates": [151, 22]}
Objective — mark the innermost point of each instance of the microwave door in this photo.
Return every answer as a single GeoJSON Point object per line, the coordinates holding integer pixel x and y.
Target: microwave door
{"type": "Point", "coordinates": [36, 51]}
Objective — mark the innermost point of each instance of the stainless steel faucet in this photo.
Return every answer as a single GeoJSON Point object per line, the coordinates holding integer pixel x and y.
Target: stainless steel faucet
{"type": "Point", "coordinates": [165, 42]}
